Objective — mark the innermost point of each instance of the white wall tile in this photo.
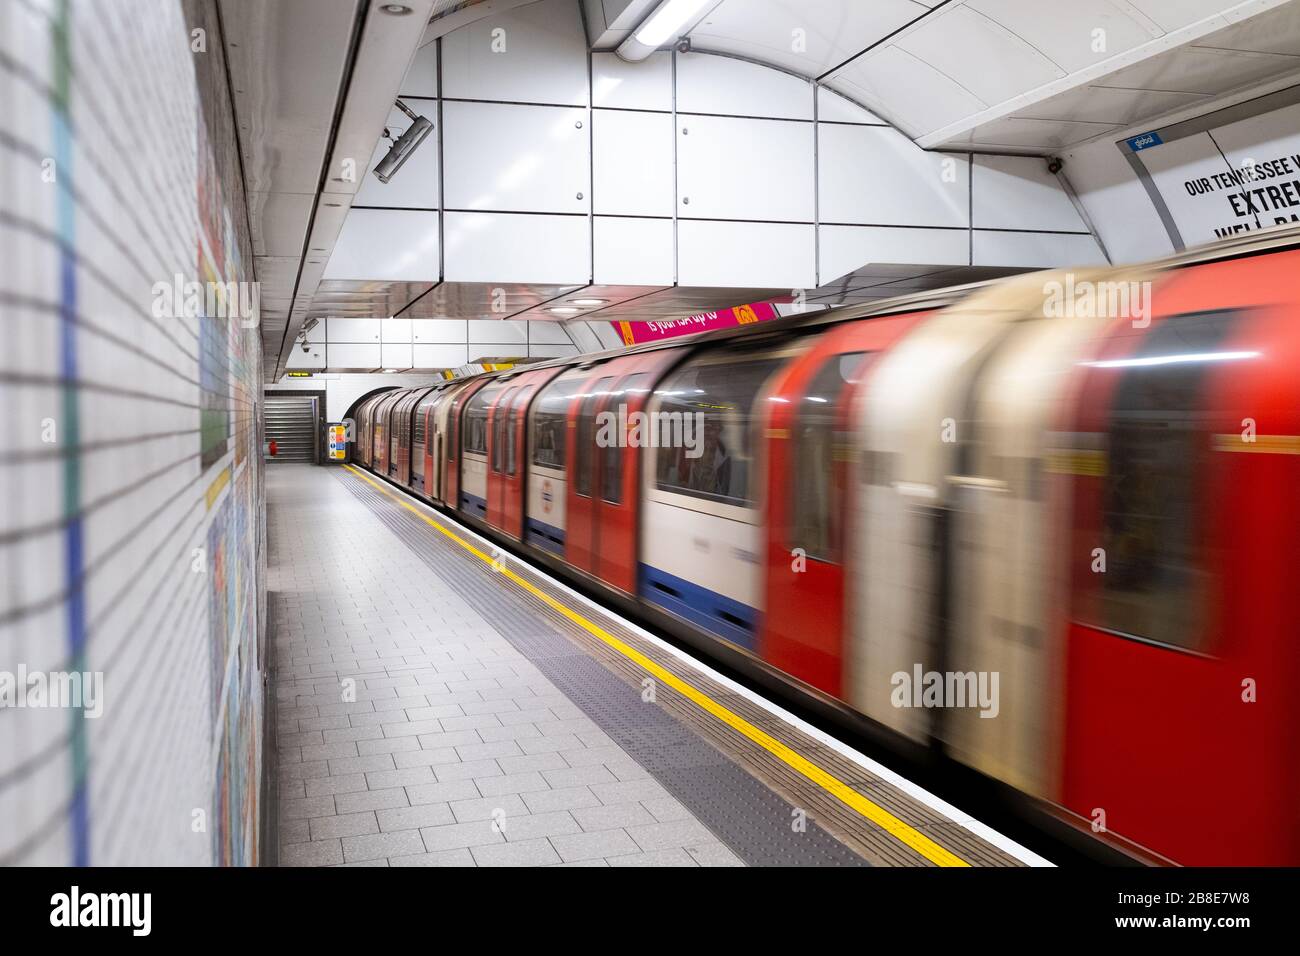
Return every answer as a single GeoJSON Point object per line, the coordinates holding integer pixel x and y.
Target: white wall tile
{"type": "Point", "coordinates": [633, 251]}
{"type": "Point", "coordinates": [721, 84]}
{"type": "Point", "coordinates": [633, 163]}
{"type": "Point", "coordinates": [618, 84]}
{"type": "Point", "coordinates": [437, 331]}
{"type": "Point", "coordinates": [507, 158]}
{"type": "Point", "coordinates": [754, 254]}
{"type": "Point", "coordinates": [536, 53]}
{"type": "Point", "coordinates": [496, 247]}
{"type": "Point", "coordinates": [377, 244]}
{"type": "Point", "coordinates": [439, 356]}
{"type": "Point", "coordinates": [874, 175]}
{"type": "Point", "coordinates": [770, 176]}
{"type": "Point", "coordinates": [1017, 192]}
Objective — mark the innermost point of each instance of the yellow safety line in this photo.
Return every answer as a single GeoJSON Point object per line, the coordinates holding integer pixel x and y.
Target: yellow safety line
{"type": "Point", "coordinates": [836, 788]}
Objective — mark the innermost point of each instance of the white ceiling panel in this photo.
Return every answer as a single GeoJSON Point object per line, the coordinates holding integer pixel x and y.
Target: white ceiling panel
{"type": "Point", "coordinates": [1111, 107]}
{"type": "Point", "coordinates": [1030, 135]}
{"type": "Point", "coordinates": [1074, 36]}
{"type": "Point", "coordinates": [806, 36]}
{"type": "Point", "coordinates": [1200, 70]}
{"type": "Point", "coordinates": [1277, 31]}
{"type": "Point", "coordinates": [1171, 15]}
{"type": "Point", "coordinates": [906, 90]}
{"type": "Point", "coordinates": [983, 56]}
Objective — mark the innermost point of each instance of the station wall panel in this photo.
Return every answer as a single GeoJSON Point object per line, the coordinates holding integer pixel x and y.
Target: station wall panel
{"type": "Point", "coordinates": [753, 169]}
{"type": "Point", "coordinates": [1017, 192]}
{"type": "Point", "coordinates": [846, 248]}
{"type": "Point", "coordinates": [632, 159]}
{"type": "Point", "coordinates": [353, 330]}
{"type": "Point", "coordinates": [632, 251]}
{"type": "Point", "coordinates": [508, 158]}
{"type": "Point", "coordinates": [484, 247]}
{"type": "Point", "coordinates": [752, 254]}
{"type": "Point", "coordinates": [1035, 249]}
{"type": "Point", "coordinates": [873, 175]}
{"type": "Point", "coordinates": [439, 356]}
{"type": "Point", "coordinates": [730, 87]}
{"type": "Point", "coordinates": [536, 53]}
{"type": "Point", "coordinates": [347, 355]}
{"type": "Point", "coordinates": [618, 84]}
{"type": "Point", "coordinates": [416, 185]}
{"type": "Point", "coordinates": [437, 331]}
{"type": "Point", "coordinates": [378, 244]}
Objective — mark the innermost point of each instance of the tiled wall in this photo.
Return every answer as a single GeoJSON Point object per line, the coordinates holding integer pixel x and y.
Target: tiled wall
{"type": "Point", "coordinates": [131, 488]}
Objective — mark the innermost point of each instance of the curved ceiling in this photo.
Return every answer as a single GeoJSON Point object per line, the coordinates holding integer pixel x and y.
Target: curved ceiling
{"type": "Point", "coordinates": [1028, 75]}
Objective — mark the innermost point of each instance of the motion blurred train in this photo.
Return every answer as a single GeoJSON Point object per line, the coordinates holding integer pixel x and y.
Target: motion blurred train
{"type": "Point", "coordinates": [1086, 484]}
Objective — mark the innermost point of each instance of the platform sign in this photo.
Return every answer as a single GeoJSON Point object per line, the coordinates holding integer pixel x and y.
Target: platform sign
{"type": "Point", "coordinates": [337, 434]}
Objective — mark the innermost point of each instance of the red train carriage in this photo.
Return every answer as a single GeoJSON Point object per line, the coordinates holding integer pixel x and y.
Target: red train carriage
{"type": "Point", "coordinates": [1182, 654]}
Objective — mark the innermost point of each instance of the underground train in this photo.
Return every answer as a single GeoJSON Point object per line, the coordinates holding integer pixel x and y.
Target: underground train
{"type": "Point", "coordinates": [1048, 525]}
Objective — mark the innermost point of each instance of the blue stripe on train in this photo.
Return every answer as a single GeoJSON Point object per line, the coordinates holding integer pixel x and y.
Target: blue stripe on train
{"type": "Point", "coordinates": [473, 505]}
{"type": "Point", "coordinates": [546, 536]}
{"type": "Point", "coordinates": [723, 616]}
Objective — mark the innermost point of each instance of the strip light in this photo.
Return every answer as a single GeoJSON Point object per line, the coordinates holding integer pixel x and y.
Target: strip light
{"type": "Point", "coordinates": [666, 23]}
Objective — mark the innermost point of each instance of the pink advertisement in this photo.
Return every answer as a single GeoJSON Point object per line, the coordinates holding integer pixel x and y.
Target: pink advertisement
{"type": "Point", "coordinates": [634, 333]}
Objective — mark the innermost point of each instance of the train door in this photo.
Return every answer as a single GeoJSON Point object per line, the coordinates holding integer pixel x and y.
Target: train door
{"type": "Point", "coordinates": [421, 437]}
{"type": "Point", "coordinates": [581, 508]}
{"type": "Point", "coordinates": [450, 436]}
{"type": "Point", "coordinates": [515, 466]}
{"type": "Point", "coordinates": [499, 451]}
{"type": "Point", "coordinates": [809, 445]}
{"type": "Point", "coordinates": [619, 455]}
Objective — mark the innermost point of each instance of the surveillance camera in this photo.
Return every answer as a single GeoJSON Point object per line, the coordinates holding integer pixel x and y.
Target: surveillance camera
{"type": "Point", "coordinates": [404, 145]}
{"type": "Point", "coordinates": [1055, 165]}
{"type": "Point", "coordinates": [684, 45]}
{"type": "Point", "coordinates": [306, 347]}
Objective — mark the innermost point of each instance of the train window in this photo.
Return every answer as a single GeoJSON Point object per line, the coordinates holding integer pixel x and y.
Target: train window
{"type": "Point", "coordinates": [476, 420]}
{"type": "Point", "coordinates": [512, 433]}
{"type": "Point", "coordinates": [585, 441]}
{"type": "Point", "coordinates": [499, 421]}
{"type": "Point", "coordinates": [816, 511]}
{"type": "Point", "coordinates": [612, 455]}
{"type": "Point", "coordinates": [1157, 574]}
{"type": "Point", "coordinates": [705, 441]}
{"type": "Point", "coordinates": [550, 418]}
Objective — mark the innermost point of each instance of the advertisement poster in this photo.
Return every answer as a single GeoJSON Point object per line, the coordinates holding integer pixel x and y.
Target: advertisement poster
{"type": "Point", "coordinates": [1223, 175]}
{"type": "Point", "coordinates": [634, 333]}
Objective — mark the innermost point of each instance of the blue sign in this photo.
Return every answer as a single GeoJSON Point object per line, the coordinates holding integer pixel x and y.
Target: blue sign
{"type": "Point", "coordinates": [1145, 141]}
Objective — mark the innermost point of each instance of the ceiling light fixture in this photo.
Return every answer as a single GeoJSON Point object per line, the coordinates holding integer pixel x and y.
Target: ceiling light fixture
{"type": "Point", "coordinates": [564, 310]}
{"type": "Point", "coordinates": [395, 9]}
{"type": "Point", "coordinates": [404, 145]}
{"type": "Point", "coordinates": [666, 23]}
{"type": "Point", "coordinates": [589, 301]}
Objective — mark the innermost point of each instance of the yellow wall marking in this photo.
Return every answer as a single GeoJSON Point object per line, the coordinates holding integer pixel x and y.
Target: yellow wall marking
{"type": "Point", "coordinates": [1262, 444]}
{"type": "Point", "coordinates": [836, 788]}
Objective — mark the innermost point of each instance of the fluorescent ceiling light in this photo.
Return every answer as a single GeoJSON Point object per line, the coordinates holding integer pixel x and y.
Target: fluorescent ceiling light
{"type": "Point", "coordinates": [667, 22]}
{"type": "Point", "coordinates": [563, 310]}
{"type": "Point", "coordinates": [589, 301]}
{"type": "Point", "coordinates": [663, 25]}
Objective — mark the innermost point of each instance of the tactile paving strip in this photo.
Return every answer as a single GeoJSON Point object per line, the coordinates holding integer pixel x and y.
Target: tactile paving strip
{"type": "Point", "coordinates": [745, 794]}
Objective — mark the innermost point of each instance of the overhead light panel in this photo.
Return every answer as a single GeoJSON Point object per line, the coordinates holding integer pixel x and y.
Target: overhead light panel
{"type": "Point", "coordinates": [666, 23]}
{"type": "Point", "coordinates": [404, 145]}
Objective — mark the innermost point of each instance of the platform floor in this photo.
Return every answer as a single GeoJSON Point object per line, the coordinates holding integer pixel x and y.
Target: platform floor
{"type": "Point", "coordinates": [440, 705]}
